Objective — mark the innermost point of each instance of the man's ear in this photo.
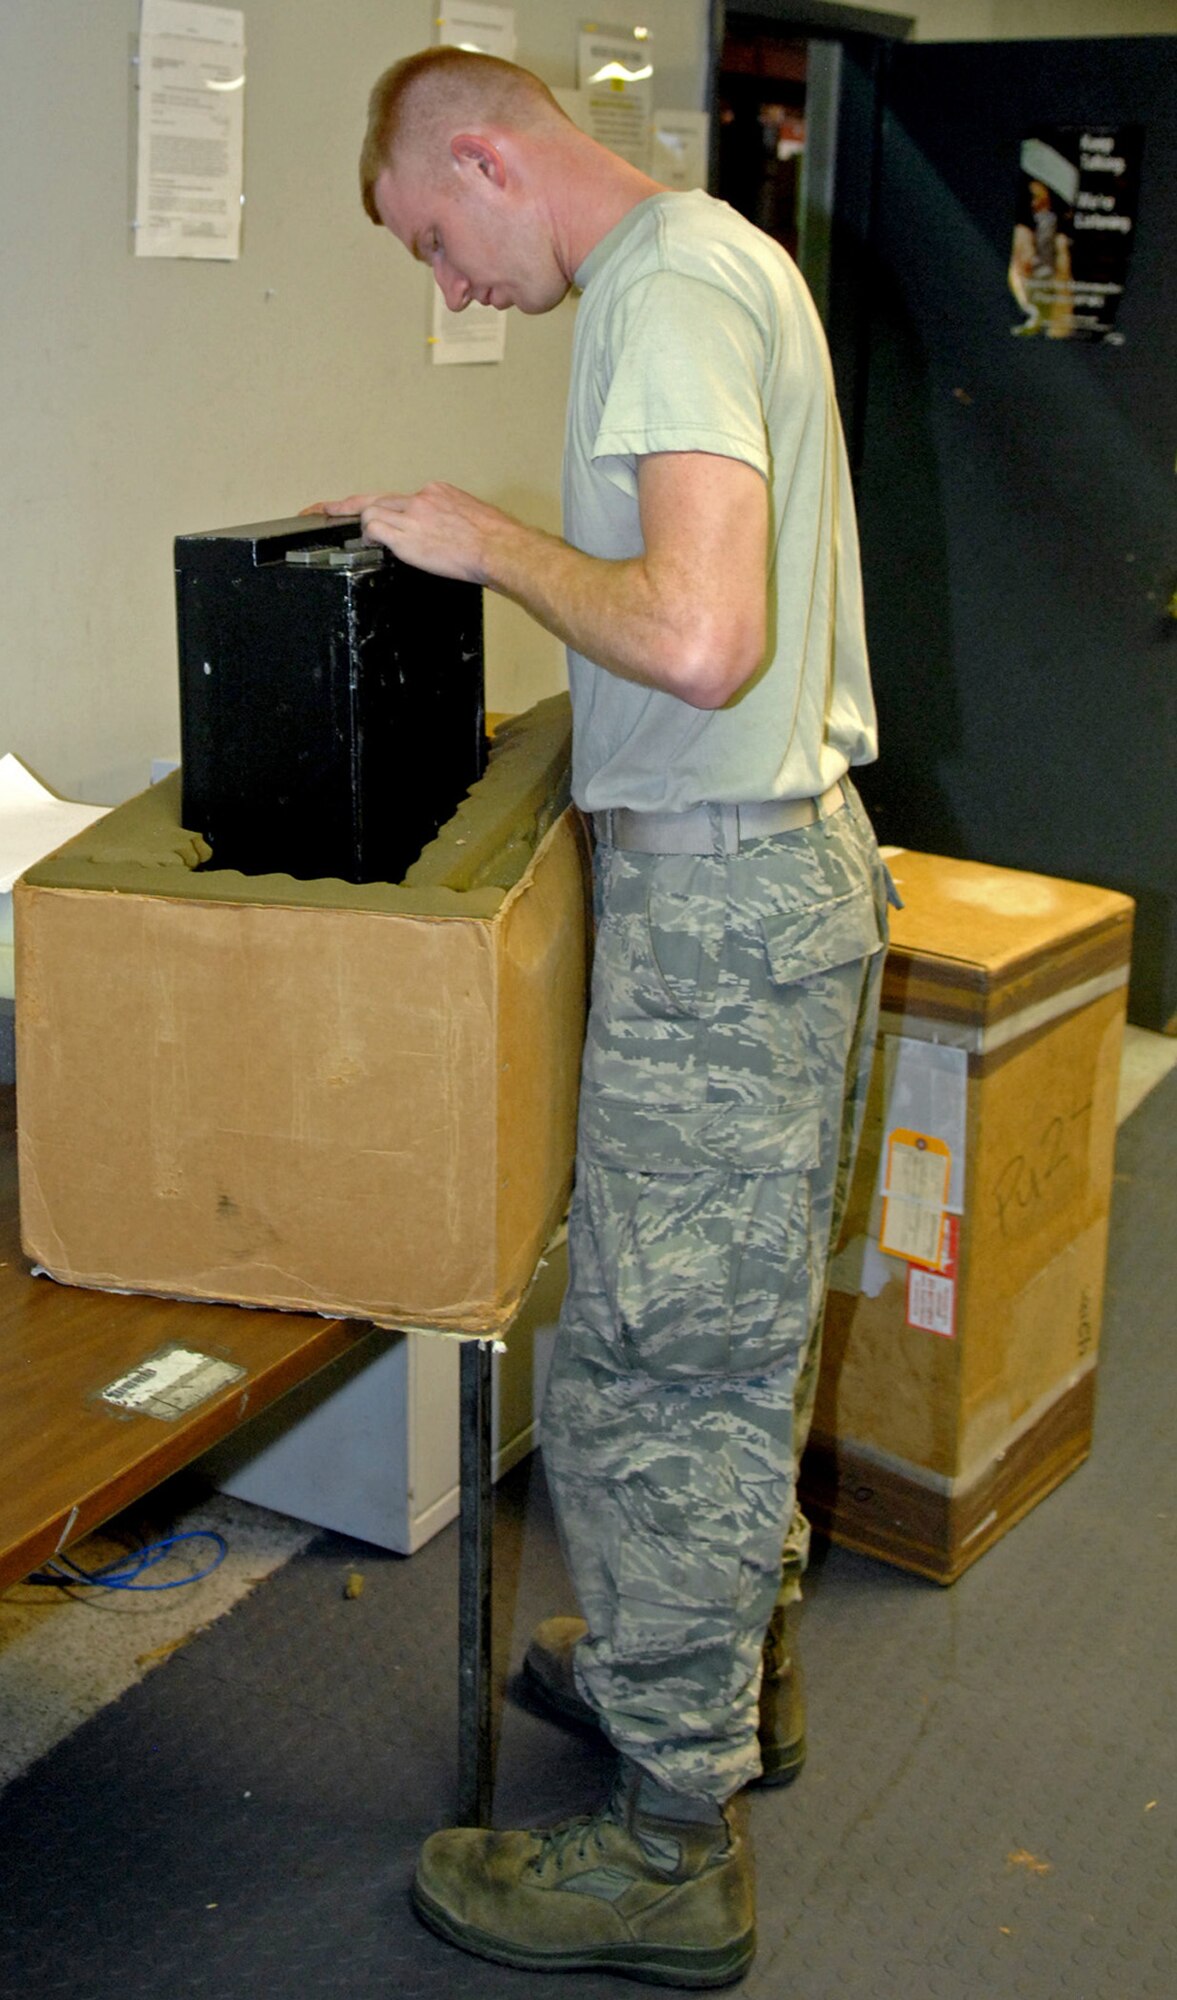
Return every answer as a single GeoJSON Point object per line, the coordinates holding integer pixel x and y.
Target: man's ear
{"type": "Point", "coordinates": [478, 155]}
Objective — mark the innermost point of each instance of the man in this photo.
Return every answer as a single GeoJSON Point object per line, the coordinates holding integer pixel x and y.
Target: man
{"type": "Point", "coordinates": [708, 592]}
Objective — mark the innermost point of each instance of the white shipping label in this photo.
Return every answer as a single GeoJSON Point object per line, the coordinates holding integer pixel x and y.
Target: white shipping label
{"type": "Point", "coordinates": [930, 1302]}
{"type": "Point", "coordinates": [912, 1230]}
{"type": "Point", "coordinates": [169, 1384]}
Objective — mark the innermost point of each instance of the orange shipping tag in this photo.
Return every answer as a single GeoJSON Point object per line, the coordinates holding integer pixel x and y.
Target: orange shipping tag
{"type": "Point", "coordinates": [915, 1191]}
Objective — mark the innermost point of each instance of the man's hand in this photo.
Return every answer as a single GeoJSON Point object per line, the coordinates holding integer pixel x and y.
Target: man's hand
{"type": "Point", "coordinates": [354, 504]}
{"type": "Point", "coordinates": [687, 615]}
{"type": "Point", "coordinates": [442, 530]}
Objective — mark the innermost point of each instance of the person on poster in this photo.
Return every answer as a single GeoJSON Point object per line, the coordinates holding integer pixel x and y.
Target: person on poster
{"type": "Point", "coordinates": [1040, 263]}
{"type": "Point", "coordinates": [707, 589]}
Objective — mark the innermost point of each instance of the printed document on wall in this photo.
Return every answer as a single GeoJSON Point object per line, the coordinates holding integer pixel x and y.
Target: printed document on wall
{"type": "Point", "coordinates": [615, 68]}
{"type": "Point", "coordinates": [678, 148]}
{"type": "Point", "coordinates": [191, 130]}
{"type": "Point", "coordinates": [476, 25]}
{"type": "Point", "coordinates": [477, 333]}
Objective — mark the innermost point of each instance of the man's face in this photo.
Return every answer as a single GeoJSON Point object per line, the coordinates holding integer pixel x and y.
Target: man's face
{"type": "Point", "coordinates": [481, 242]}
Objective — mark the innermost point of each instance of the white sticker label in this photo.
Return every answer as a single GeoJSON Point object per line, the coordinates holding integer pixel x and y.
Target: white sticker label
{"type": "Point", "coordinates": [930, 1301]}
{"type": "Point", "coordinates": [931, 1295]}
{"type": "Point", "coordinates": [169, 1384]}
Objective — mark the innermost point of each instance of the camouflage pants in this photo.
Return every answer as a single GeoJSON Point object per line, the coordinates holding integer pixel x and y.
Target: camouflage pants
{"type": "Point", "coordinates": [725, 1068]}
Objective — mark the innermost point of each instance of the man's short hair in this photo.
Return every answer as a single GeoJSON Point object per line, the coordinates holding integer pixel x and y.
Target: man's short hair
{"type": "Point", "coordinates": [419, 102]}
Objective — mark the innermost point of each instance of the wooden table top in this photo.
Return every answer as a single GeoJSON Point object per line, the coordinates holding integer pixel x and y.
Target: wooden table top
{"type": "Point", "coordinates": [68, 1461]}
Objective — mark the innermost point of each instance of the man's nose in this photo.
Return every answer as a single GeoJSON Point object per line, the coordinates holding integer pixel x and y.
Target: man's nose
{"type": "Point", "coordinates": [455, 290]}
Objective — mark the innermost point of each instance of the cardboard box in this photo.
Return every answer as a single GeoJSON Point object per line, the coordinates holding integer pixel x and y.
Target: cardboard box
{"type": "Point", "coordinates": [354, 1099]}
{"type": "Point", "coordinates": [958, 1377]}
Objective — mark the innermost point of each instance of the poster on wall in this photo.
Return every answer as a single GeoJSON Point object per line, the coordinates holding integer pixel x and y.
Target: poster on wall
{"type": "Point", "coordinates": [1078, 191]}
{"type": "Point", "coordinates": [191, 122]}
{"type": "Point", "coordinates": [615, 70]}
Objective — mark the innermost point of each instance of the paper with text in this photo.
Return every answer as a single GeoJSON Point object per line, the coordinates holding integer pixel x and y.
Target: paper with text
{"type": "Point", "coordinates": [190, 160]}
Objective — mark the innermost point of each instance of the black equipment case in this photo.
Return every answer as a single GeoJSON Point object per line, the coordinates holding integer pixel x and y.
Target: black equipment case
{"type": "Point", "coordinates": [331, 699]}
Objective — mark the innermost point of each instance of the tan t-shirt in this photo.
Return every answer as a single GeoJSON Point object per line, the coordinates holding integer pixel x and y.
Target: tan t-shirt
{"type": "Point", "coordinates": [696, 332]}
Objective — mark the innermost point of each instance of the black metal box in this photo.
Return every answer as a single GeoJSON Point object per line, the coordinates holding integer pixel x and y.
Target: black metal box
{"type": "Point", "coordinates": [331, 699]}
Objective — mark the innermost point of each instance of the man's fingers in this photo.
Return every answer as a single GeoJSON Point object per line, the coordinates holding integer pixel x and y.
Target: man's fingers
{"type": "Point", "coordinates": [353, 504]}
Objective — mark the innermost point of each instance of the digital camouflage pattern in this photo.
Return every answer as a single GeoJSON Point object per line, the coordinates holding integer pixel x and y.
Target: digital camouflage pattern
{"type": "Point", "coordinates": [725, 1071]}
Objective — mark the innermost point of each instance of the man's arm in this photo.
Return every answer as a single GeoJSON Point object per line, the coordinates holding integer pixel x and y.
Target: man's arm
{"type": "Point", "coordinates": [688, 615]}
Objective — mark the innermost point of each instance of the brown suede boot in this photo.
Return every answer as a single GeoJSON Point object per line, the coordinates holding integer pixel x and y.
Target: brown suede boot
{"type": "Point", "coordinates": [548, 1674]}
{"type": "Point", "coordinates": [629, 1890]}
{"type": "Point", "coordinates": [782, 1700]}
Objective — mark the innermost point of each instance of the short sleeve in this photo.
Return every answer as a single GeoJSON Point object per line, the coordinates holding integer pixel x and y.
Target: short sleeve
{"type": "Point", "coordinates": [688, 367]}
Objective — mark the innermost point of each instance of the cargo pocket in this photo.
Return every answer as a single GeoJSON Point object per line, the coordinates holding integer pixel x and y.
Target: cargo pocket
{"type": "Point", "coordinates": [823, 937]}
{"type": "Point", "coordinates": [658, 939]}
{"type": "Point", "coordinates": [709, 1260]}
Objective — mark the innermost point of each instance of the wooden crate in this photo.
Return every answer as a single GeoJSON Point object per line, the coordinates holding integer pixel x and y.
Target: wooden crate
{"type": "Point", "coordinates": [956, 1392]}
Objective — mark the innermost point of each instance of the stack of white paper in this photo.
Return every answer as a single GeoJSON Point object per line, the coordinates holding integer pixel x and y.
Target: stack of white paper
{"type": "Point", "coordinates": [32, 823]}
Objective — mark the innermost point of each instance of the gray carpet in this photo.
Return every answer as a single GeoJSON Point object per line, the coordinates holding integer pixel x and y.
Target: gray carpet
{"type": "Point", "coordinates": [990, 1806]}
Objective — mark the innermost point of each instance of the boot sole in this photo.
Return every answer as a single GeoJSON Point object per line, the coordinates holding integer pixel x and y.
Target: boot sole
{"type": "Point", "coordinates": [654, 1965]}
{"type": "Point", "coordinates": [782, 1765]}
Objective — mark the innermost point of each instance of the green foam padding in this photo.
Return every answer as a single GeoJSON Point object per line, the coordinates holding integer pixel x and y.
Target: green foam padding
{"type": "Point", "coordinates": [142, 849]}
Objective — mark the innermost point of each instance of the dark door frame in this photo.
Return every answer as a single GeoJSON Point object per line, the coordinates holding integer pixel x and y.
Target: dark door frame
{"type": "Point", "coordinates": [841, 176]}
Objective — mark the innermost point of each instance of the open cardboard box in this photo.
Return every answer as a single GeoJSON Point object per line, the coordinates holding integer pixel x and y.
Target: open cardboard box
{"type": "Point", "coordinates": [313, 1095]}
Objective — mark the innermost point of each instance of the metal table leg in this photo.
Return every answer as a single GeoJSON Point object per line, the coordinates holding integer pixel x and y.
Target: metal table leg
{"type": "Point", "coordinates": [475, 1759]}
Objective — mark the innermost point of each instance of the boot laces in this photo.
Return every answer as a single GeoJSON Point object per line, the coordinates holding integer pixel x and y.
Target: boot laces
{"type": "Point", "coordinates": [570, 1839]}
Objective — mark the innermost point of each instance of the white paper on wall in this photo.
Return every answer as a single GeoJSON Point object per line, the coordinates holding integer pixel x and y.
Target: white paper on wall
{"type": "Point", "coordinates": [615, 69]}
{"type": "Point", "coordinates": [678, 148]}
{"type": "Point", "coordinates": [478, 333]}
{"type": "Point", "coordinates": [190, 158]}
{"type": "Point", "coordinates": [476, 25]}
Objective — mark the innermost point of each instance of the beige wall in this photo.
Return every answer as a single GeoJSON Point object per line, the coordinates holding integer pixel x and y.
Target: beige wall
{"type": "Point", "coordinates": [144, 399]}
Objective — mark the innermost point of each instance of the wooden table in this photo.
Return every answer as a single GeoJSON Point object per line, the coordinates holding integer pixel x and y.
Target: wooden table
{"type": "Point", "coordinates": [70, 1460]}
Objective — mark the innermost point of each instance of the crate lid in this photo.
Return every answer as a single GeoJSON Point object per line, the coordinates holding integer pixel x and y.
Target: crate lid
{"type": "Point", "coordinates": [979, 943]}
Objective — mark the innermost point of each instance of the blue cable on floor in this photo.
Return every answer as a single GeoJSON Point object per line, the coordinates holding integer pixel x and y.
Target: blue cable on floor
{"type": "Point", "coordinates": [120, 1574]}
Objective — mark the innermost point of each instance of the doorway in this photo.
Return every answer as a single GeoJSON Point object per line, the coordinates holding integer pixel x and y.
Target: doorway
{"type": "Point", "coordinates": [796, 96]}
{"type": "Point", "coordinates": [760, 108]}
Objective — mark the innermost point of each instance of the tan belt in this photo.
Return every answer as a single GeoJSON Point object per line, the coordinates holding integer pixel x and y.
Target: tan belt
{"type": "Point", "coordinates": [711, 829]}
